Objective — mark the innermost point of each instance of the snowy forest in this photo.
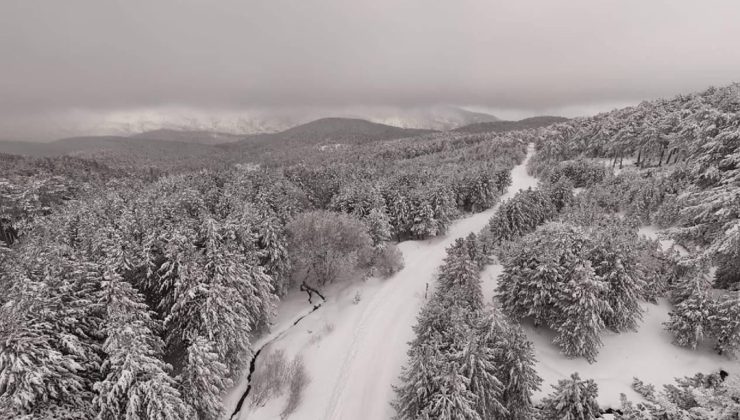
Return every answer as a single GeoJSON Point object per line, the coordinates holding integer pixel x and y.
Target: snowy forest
{"type": "Point", "coordinates": [135, 292]}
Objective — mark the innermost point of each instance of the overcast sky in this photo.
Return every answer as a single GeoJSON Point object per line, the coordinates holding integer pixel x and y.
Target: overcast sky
{"type": "Point", "coordinates": [520, 57]}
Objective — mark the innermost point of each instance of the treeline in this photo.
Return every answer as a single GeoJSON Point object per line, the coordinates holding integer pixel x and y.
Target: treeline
{"type": "Point", "coordinates": [688, 150]}
{"type": "Point", "coordinates": [138, 297]}
{"type": "Point", "coordinates": [420, 195]}
{"type": "Point", "coordinates": [698, 136]}
{"type": "Point", "coordinates": [468, 361]}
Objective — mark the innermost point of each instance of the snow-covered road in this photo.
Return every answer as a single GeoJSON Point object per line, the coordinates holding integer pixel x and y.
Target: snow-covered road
{"type": "Point", "coordinates": [354, 352]}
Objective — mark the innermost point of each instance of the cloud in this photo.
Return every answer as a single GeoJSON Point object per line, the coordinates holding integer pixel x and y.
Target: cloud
{"type": "Point", "coordinates": [525, 55]}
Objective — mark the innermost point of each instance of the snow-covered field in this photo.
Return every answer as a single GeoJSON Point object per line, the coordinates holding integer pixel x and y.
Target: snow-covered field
{"type": "Point", "coordinates": [647, 354]}
{"type": "Point", "coordinates": [354, 352]}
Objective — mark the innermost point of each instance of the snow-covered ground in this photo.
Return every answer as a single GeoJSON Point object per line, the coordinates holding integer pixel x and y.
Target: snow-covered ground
{"type": "Point", "coordinates": [354, 352]}
{"type": "Point", "coordinates": [647, 354]}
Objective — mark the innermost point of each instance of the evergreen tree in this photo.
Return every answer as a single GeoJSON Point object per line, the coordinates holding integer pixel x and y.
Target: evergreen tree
{"type": "Point", "coordinates": [581, 318]}
{"type": "Point", "coordinates": [272, 252]}
{"type": "Point", "coordinates": [690, 320]}
{"type": "Point", "coordinates": [615, 260]}
{"type": "Point", "coordinates": [724, 323]}
{"type": "Point", "coordinates": [378, 227]}
{"type": "Point", "coordinates": [136, 383]}
{"type": "Point", "coordinates": [572, 399]}
{"type": "Point", "coordinates": [477, 364]}
{"type": "Point", "coordinates": [204, 379]}
{"type": "Point", "coordinates": [514, 357]}
{"type": "Point", "coordinates": [36, 375]}
{"type": "Point", "coordinates": [459, 278]}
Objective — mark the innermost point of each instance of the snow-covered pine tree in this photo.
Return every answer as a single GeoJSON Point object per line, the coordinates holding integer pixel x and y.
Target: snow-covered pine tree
{"type": "Point", "coordinates": [440, 330]}
{"type": "Point", "coordinates": [418, 382]}
{"type": "Point", "coordinates": [459, 278]}
{"type": "Point", "coordinates": [560, 193]}
{"type": "Point", "coordinates": [47, 361]}
{"type": "Point", "coordinates": [514, 357]}
{"type": "Point", "coordinates": [453, 401]}
{"type": "Point", "coordinates": [691, 277]}
{"type": "Point", "coordinates": [572, 399]}
{"type": "Point", "coordinates": [527, 285]}
{"type": "Point", "coordinates": [424, 225]}
{"type": "Point", "coordinates": [477, 251]}
{"type": "Point", "coordinates": [615, 261]}
{"type": "Point", "coordinates": [222, 295]}
{"type": "Point", "coordinates": [203, 379]}
{"type": "Point", "coordinates": [539, 267]}
{"type": "Point", "coordinates": [477, 364]}
{"type": "Point", "coordinates": [136, 382]}
{"type": "Point", "coordinates": [581, 320]}
{"type": "Point", "coordinates": [724, 323]}
{"type": "Point", "coordinates": [690, 319]}
{"type": "Point", "coordinates": [503, 180]}
{"type": "Point", "coordinates": [272, 250]}
{"type": "Point", "coordinates": [378, 227]}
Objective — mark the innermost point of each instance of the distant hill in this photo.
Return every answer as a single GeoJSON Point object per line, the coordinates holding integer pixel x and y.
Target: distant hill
{"type": "Point", "coordinates": [502, 126]}
{"type": "Point", "coordinates": [437, 117]}
{"type": "Point", "coordinates": [345, 130]}
{"type": "Point", "coordinates": [189, 136]}
{"type": "Point", "coordinates": [173, 149]}
{"type": "Point", "coordinates": [322, 133]}
{"type": "Point", "coordinates": [120, 152]}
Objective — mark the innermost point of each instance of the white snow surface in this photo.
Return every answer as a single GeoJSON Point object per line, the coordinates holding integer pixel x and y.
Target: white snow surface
{"type": "Point", "coordinates": [353, 353]}
{"type": "Point", "coordinates": [647, 354]}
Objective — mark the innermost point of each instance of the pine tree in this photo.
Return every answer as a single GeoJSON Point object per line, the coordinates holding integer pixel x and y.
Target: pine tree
{"type": "Point", "coordinates": [136, 383]}
{"type": "Point", "coordinates": [477, 251]}
{"type": "Point", "coordinates": [615, 261]}
{"type": "Point", "coordinates": [36, 375]}
{"type": "Point", "coordinates": [724, 323]}
{"type": "Point", "coordinates": [204, 379]}
{"type": "Point", "coordinates": [273, 252]}
{"type": "Point", "coordinates": [514, 357]}
{"type": "Point", "coordinates": [378, 227]}
{"type": "Point", "coordinates": [581, 319]}
{"type": "Point", "coordinates": [689, 320]}
{"type": "Point", "coordinates": [477, 363]}
{"type": "Point", "coordinates": [454, 401]}
{"type": "Point", "coordinates": [418, 382]}
{"type": "Point", "coordinates": [572, 399]}
{"type": "Point", "coordinates": [459, 277]}
{"type": "Point", "coordinates": [49, 355]}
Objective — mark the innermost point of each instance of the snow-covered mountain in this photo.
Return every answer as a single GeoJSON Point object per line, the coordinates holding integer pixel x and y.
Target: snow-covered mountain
{"type": "Point", "coordinates": [434, 118]}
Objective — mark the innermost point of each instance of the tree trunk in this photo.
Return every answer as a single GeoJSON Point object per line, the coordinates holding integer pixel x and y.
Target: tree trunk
{"type": "Point", "coordinates": [670, 153]}
{"type": "Point", "coordinates": [639, 155]}
{"type": "Point", "coordinates": [621, 161]}
{"type": "Point", "coordinates": [660, 158]}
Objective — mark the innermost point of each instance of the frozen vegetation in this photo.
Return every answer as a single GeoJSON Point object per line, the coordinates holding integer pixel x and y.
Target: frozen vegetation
{"type": "Point", "coordinates": [446, 275]}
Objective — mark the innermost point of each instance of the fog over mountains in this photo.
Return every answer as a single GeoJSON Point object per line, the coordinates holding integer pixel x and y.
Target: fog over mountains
{"type": "Point", "coordinates": [233, 122]}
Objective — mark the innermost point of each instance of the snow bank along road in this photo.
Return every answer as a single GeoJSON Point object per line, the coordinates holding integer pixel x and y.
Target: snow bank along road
{"type": "Point", "coordinates": [354, 352]}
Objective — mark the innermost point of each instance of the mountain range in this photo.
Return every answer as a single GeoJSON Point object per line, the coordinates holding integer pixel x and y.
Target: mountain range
{"type": "Point", "coordinates": [183, 149]}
